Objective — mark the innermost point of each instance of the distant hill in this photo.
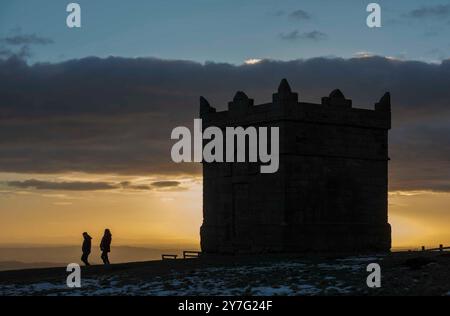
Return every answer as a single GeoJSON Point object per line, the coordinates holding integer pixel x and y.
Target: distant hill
{"type": "Point", "coordinates": [18, 265]}
{"type": "Point", "coordinates": [59, 256]}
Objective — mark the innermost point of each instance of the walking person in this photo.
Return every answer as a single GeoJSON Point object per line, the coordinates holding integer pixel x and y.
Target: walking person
{"type": "Point", "coordinates": [105, 246]}
{"type": "Point", "coordinates": [86, 248]}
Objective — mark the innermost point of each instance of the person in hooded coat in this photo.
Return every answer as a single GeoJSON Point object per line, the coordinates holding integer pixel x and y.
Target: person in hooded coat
{"type": "Point", "coordinates": [86, 248]}
{"type": "Point", "coordinates": [105, 246]}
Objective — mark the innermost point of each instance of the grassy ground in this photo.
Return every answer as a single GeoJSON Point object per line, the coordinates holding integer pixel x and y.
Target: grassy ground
{"type": "Point", "coordinates": [412, 273]}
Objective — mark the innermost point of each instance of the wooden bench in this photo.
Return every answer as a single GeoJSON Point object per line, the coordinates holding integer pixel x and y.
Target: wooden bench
{"type": "Point", "coordinates": [166, 257]}
{"type": "Point", "coordinates": [191, 254]}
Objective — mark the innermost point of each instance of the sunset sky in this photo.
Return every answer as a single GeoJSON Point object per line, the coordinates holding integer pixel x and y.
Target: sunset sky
{"type": "Point", "coordinates": [86, 114]}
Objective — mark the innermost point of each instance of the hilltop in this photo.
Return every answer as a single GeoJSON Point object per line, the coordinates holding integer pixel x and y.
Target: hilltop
{"type": "Point", "coordinates": [405, 273]}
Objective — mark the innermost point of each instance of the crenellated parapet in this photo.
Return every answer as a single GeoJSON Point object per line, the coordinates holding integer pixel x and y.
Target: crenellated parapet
{"type": "Point", "coordinates": [284, 94]}
{"type": "Point", "coordinates": [241, 104]}
{"type": "Point", "coordinates": [285, 105]}
{"type": "Point", "coordinates": [384, 104]}
{"type": "Point", "coordinates": [205, 108]}
{"type": "Point", "coordinates": [337, 98]}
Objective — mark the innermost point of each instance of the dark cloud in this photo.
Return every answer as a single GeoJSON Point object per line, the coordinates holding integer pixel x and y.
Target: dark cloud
{"type": "Point", "coordinates": [21, 53]}
{"type": "Point", "coordinates": [26, 39]}
{"type": "Point", "coordinates": [130, 186]}
{"type": "Point", "coordinates": [61, 186]}
{"type": "Point", "coordinates": [300, 15]}
{"type": "Point", "coordinates": [140, 187]}
{"type": "Point", "coordinates": [291, 36]}
{"type": "Point", "coordinates": [296, 35]}
{"type": "Point", "coordinates": [116, 115]}
{"type": "Point", "coordinates": [432, 11]}
{"type": "Point", "coordinates": [19, 46]}
{"type": "Point", "coordinates": [314, 35]}
{"type": "Point", "coordinates": [76, 185]}
{"type": "Point", "coordinates": [166, 184]}
{"type": "Point", "coordinates": [5, 52]}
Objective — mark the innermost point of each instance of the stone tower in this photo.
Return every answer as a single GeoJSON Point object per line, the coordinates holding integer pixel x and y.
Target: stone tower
{"type": "Point", "coordinates": [330, 192]}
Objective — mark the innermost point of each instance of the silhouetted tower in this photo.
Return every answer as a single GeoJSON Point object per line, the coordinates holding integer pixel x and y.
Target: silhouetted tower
{"type": "Point", "coordinates": [330, 192]}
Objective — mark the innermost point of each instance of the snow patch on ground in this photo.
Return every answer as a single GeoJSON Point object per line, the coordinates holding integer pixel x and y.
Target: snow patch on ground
{"type": "Point", "coordinates": [285, 278]}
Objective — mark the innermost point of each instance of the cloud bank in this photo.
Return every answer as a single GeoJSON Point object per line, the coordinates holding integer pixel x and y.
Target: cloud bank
{"type": "Point", "coordinates": [115, 115]}
{"type": "Point", "coordinates": [19, 45]}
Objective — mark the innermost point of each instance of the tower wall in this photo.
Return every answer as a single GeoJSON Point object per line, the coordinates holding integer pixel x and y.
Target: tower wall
{"type": "Point", "coordinates": [330, 192]}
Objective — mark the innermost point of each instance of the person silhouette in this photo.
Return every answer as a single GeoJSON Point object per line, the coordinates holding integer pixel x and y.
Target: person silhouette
{"type": "Point", "coordinates": [105, 246]}
{"type": "Point", "coordinates": [86, 248]}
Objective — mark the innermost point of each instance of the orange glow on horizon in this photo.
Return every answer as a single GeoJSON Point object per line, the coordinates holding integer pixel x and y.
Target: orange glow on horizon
{"type": "Point", "coordinates": [172, 216]}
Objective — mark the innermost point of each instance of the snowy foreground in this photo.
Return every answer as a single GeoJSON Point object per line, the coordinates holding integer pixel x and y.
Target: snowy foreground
{"type": "Point", "coordinates": [288, 277]}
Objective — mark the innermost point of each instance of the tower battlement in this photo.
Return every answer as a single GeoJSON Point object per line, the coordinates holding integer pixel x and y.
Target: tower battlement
{"type": "Point", "coordinates": [285, 105]}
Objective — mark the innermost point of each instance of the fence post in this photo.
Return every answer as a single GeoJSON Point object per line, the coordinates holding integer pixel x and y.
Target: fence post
{"type": "Point", "coordinates": [441, 247]}
{"type": "Point", "coordinates": [423, 248]}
